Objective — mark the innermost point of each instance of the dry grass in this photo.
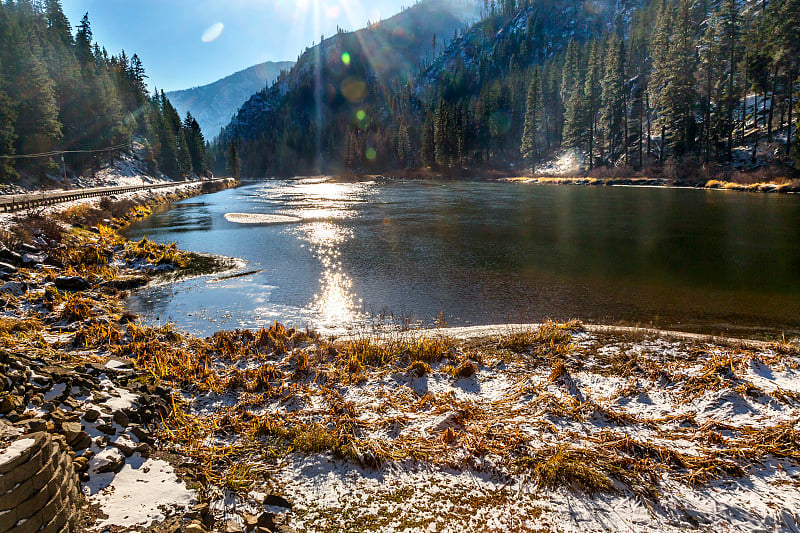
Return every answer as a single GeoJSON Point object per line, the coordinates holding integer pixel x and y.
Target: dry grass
{"type": "Point", "coordinates": [550, 334]}
{"type": "Point", "coordinates": [10, 327]}
{"type": "Point", "coordinates": [76, 307]}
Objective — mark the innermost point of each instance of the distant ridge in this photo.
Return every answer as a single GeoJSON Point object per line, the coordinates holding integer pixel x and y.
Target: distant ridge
{"type": "Point", "coordinates": [214, 104]}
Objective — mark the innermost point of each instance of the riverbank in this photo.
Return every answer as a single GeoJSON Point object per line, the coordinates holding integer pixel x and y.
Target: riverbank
{"type": "Point", "coordinates": [783, 187]}
{"type": "Point", "coordinates": [525, 427]}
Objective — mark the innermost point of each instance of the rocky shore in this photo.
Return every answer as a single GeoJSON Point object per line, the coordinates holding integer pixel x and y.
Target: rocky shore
{"type": "Point", "coordinates": [63, 277]}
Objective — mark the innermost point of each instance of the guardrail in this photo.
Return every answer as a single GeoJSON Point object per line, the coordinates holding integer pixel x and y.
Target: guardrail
{"type": "Point", "coordinates": [16, 202]}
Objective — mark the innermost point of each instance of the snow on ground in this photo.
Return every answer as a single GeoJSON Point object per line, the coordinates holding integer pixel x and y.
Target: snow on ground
{"type": "Point", "coordinates": [140, 494]}
{"type": "Point", "coordinates": [629, 431]}
{"type": "Point", "coordinates": [8, 219]}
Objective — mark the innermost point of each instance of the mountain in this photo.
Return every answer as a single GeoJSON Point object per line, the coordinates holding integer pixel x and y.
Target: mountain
{"type": "Point", "coordinates": [214, 104]}
{"type": "Point", "coordinates": [673, 88]}
{"type": "Point", "coordinates": [357, 70]}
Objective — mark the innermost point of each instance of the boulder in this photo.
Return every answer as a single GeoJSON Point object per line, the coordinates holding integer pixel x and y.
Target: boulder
{"type": "Point", "coordinates": [109, 460]}
{"type": "Point", "coordinates": [72, 283]}
{"type": "Point", "coordinates": [34, 259]}
{"type": "Point", "coordinates": [14, 287]}
{"type": "Point", "coordinates": [9, 255]}
{"type": "Point", "coordinates": [71, 430]}
{"type": "Point", "coordinates": [274, 500]}
{"type": "Point", "coordinates": [121, 418]}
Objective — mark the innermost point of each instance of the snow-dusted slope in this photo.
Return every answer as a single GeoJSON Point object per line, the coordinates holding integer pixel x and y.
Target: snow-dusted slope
{"type": "Point", "coordinates": [214, 104]}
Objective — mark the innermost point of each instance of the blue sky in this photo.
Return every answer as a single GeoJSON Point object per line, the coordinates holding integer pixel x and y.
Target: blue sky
{"type": "Point", "coordinates": [181, 44]}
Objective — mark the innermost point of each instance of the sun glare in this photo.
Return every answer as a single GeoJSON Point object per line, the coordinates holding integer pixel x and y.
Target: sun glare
{"type": "Point", "coordinates": [213, 32]}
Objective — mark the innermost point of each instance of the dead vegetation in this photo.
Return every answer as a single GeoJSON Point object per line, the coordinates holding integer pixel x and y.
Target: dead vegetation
{"type": "Point", "coordinates": [420, 397]}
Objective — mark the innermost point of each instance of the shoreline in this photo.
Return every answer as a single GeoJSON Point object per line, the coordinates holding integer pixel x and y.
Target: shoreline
{"type": "Point", "coordinates": [787, 186]}
{"type": "Point", "coordinates": [246, 427]}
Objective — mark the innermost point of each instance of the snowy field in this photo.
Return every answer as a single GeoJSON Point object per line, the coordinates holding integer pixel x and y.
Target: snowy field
{"type": "Point", "coordinates": [555, 429]}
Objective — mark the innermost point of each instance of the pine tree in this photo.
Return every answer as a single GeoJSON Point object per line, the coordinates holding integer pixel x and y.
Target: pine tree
{"type": "Point", "coordinates": [441, 136]}
{"type": "Point", "coordinates": [533, 106]}
{"type": "Point", "coordinates": [679, 94]}
{"type": "Point", "coordinates": [796, 149]}
{"type": "Point", "coordinates": [403, 146]}
{"type": "Point", "coordinates": [7, 134]}
{"type": "Point", "coordinates": [730, 22]}
{"type": "Point", "coordinates": [234, 164]}
{"type": "Point", "coordinates": [428, 147]}
{"type": "Point", "coordinates": [613, 99]}
{"type": "Point", "coordinates": [592, 95]}
{"type": "Point", "coordinates": [196, 145]}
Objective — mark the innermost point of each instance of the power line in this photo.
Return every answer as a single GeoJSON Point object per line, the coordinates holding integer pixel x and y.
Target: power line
{"type": "Point", "coordinates": [61, 152]}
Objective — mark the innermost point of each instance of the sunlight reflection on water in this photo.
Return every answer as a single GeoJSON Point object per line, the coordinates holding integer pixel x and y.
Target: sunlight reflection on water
{"type": "Point", "coordinates": [327, 203]}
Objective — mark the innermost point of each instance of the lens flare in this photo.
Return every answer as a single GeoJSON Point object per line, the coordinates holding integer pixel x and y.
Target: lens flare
{"type": "Point", "coordinates": [346, 58]}
{"type": "Point", "coordinates": [213, 32]}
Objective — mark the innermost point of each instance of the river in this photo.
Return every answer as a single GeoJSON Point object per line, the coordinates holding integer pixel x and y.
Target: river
{"type": "Point", "coordinates": [342, 256]}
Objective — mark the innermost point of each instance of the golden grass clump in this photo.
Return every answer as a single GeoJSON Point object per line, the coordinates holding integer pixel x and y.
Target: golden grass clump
{"type": "Point", "coordinates": [576, 469]}
{"type": "Point", "coordinates": [161, 352]}
{"type": "Point", "coordinates": [718, 370]}
{"type": "Point", "coordinates": [464, 370]}
{"type": "Point", "coordinates": [75, 308]}
{"type": "Point", "coordinates": [239, 477]}
{"type": "Point", "coordinates": [550, 334]}
{"type": "Point", "coordinates": [155, 253]}
{"type": "Point", "coordinates": [419, 368]}
{"type": "Point", "coordinates": [97, 334]}
{"type": "Point", "coordinates": [14, 326]}
{"type": "Point", "coordinates": [276, 339]}
{"type": "Point", "coordinates": [315, 438]}
{"type": "Point", "coordinates": [356, 354]}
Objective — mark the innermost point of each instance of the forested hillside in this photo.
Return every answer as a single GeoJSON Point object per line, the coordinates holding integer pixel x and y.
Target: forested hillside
{"type": "Point", "coordinates": [62, 92]}
{"type": "Point", "coordinates": [301, 122]}
{"type": "Point", "coordinates": [660, 84]}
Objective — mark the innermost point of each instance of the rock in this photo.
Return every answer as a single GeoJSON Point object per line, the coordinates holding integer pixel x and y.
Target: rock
{"type": "Point", "coordinates": [273, 500]}
{"type": "Point", "coordinates": [125, 445]}
{"type": "Point", "coordinates": [71, 402]}
{"type": "Point", "coordinates": [250, 521]}
{"type": "Point", "coordinates": [82, 442]}
{"type": "Point", "coordinates": [141, 433]}
{"type": "Point", "coordinates": [71, 430]}
{"type": "Point", "coordinates": [7, 268]}
{"type": "Point", "coordinates": [91, 415]}
{"type": "Point", "coordinates": [118, 364]}
{"type": "Point", "coordinates": [265, 520]}
{"type": "Point", "coordinates": [81, 464]}
{"type": "Point", "coordinates": [106, 428]}
{"type": "Point", "coordinates": [121, 418]}
{"type": "Point", "coordinates": [28, 248]}
{"type": "Point", "coordinates": [33, 258]}
{"type": "Point", "coordinates": [232, 527]}
{"type": "Point", "coordinates": [9, 255]}
{"type": "Point", "coordinates": [109, 460]}
{"type": "Point", "coordinates": [14, 287]}
{"type": "Point", "coordinates": [194, 527]}
{"type": "Point", "coordinates": [11, 403]}
{"type": "Point", "coordinates": [33, 425]}
{"type": "Point", "coordinates": [72, 283]}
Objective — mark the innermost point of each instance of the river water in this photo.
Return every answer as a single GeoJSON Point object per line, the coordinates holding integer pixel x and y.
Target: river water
{"type": "Point", "coordinates": [352, 255]}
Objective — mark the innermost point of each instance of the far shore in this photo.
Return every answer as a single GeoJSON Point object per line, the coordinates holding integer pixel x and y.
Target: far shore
{"type": "Point", "coordinates": [779, 185]}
